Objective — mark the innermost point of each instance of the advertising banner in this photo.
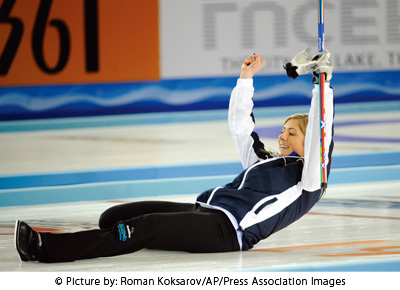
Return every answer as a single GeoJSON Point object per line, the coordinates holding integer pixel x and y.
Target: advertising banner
{"type": "Point", "coordinates": [94, 57]}
{"type": "Point", "coordinates": [211, 38]}
{"type": "Point", "coordinates": [78, 41]}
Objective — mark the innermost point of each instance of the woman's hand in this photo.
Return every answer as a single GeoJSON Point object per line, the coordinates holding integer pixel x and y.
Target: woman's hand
{"type": "Point", "coordinates": [251, 65]}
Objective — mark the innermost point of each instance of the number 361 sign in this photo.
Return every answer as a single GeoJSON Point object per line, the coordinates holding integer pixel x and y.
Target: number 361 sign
{"type": "Point", "coordinates": [75, 41]}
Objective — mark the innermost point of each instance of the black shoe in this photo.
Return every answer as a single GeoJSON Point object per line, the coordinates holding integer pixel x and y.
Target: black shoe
{"type": "Point", "coordinates": [27, 241]}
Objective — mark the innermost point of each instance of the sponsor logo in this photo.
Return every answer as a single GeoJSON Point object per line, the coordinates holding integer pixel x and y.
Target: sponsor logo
{"type": "Point", "coordinates": [122, 232]}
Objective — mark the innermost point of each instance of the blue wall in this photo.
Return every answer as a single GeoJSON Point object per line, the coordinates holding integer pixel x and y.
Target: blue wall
{"type": "Point", "coordinates": [33, 102]}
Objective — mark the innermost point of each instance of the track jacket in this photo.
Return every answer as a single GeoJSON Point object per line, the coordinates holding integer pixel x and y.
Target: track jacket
{"type": "Point", "coordinates": [272, 192]}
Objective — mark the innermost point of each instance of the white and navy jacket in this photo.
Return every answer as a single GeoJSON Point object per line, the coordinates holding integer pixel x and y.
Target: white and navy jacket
{"type": "Point", "coordinates": [270, 193]}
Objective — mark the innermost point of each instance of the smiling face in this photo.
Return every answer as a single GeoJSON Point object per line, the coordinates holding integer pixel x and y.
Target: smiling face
{"type": "Point", "coordinates": [291, 138]}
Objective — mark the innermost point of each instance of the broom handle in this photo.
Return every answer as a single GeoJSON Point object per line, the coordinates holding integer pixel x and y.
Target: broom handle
{"type": "Point", "coordinates": [322, 115]}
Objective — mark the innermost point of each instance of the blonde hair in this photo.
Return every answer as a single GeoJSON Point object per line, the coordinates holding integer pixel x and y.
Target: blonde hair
{"type": "Point", "coordinates": [302, 119]}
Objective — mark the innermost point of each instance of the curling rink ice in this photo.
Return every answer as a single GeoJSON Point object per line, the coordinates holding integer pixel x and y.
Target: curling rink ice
{"type": "Point", "coordinates": [59, 175]}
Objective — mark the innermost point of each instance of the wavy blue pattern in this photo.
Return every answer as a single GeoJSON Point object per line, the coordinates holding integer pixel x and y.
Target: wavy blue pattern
{"type": "Point", "coordinates": [184, 94]}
